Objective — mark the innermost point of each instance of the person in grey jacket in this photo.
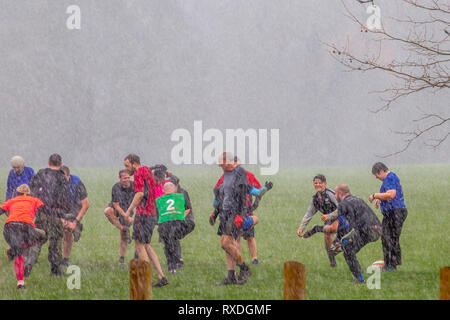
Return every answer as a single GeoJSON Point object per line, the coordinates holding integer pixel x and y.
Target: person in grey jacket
{"type": "Point", "coordinates": [325, 202]}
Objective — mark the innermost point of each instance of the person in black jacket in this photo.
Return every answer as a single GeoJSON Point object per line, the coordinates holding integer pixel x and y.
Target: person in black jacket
{"type": "Point", "coordinates": [51, 187]}
{"type": "Point", "coordinates": [365, 224]}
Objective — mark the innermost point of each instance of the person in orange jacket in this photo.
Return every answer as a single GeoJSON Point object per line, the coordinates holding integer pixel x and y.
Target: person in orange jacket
{"type": "Point", "coordinates": [19, 231]}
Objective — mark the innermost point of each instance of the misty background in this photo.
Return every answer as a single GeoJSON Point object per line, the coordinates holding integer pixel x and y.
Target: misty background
{"type": "Point", "coordinates": [138, 70]}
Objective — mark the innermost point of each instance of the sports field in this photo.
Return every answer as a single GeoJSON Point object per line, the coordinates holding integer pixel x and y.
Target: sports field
{"type": "Point", "coordinates": [425, 241]}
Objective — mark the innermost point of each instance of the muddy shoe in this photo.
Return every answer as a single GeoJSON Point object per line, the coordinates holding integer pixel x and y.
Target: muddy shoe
{"type": "Point", "coordinates": [161, 283]}
{"type": "Point", "coordinates": [244, 273]}
{"type": "Point", "coordinates": [227, 281]}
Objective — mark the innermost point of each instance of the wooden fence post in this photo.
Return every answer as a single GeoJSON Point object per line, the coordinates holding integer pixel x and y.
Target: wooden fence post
{"type": "Point", "coordinates": [445, 283]}
{"type": "Point", "coordinates": [294, 281]}
{"type": "Point", "coordinates": [140, 280]}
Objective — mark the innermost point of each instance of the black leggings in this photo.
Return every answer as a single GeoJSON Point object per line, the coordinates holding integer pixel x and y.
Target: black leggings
{"type": "Point", "coordinates": [392, 228]}
{"type": "Point", "coordinates": [170, 233]}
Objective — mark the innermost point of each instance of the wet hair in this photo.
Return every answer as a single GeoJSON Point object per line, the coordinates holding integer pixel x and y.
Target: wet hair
{"type": "Point", "coordinates": [379, 166]}
{"type": "Point", "coordinates": [321, 177]}
{"type": "Point", "coordinates": [226, 157]}
{"type": "Point", "coordinates": [344, 189]}
{"type": "Point", "coordinates": [159, 171]}
{"type": "Point", "coordinates": [123, 171]}
{"type": "Point", "coordinates": [133, 158]}
{"type": "Point", "coordinates": [55, 160]}
{"type": "Point", "coordinates": [66, 170]}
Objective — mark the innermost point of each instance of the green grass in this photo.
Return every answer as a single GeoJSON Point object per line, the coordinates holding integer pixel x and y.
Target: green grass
{"type": "Point", "coordinates": [425, 242]}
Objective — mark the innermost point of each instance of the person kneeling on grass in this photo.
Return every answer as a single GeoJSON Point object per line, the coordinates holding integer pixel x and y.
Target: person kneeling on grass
{"type": "Point", "coordinates": [19, 231]}
{"type": "Point", "coordinates": [173, 210]}
{"type": "Point", "coordinates": [122, 194]}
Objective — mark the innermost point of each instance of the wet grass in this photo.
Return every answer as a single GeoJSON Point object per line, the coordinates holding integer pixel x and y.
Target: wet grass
{"type": "Point", "coordinates": [425, 242]}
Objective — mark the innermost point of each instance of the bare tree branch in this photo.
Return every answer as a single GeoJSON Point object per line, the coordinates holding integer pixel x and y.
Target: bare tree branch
{"type": "Point", "coordinates": [425, 68]}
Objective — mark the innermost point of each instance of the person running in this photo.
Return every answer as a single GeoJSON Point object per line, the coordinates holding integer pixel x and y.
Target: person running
{"type": "Point", "coordinates": [146, 217]}
{"type": "Point", "coordinates": [232, 207]}
{"type": "Point", "coordinates": [324, 201]}
{"type": "Point", "coordinates": [19, 230]}
{"type": "Point", "coordinates": [19, 174]}
{"type": "Point", "coordinates": [172, 210]}
{"type": "Point", "coordinates": [249, 236]}
{"type": "Point", "coordinates": [51, 187]}
{"type": "Point", "coordinates": [392, 204]}
{"type": "Point", "coordinates": [365, 224]}
{"type": "Point", "coordinates": [122, 195]}
{"type": "Point", "coordinates": [78, 208]}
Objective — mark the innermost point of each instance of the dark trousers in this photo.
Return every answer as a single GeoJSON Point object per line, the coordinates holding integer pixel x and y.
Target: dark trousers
{"type": "Point", "coordinates": [392, 228]}
{"type": "Point", "coordinates": [20, 236]}
{"type": "Point", "coordinates": [53, 227]}
{"type": "Point", "coordinates": [170, 233]}
{"type": "Point", "coordinates": [354, 242]}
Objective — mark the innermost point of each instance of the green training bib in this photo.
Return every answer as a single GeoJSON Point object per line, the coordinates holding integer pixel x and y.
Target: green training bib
{"type": "Point", "coordinates": [170, 207]}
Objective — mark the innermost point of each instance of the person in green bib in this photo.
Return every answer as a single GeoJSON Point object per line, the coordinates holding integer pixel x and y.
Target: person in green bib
{"type": "Point", "coordinates": [172, 210]}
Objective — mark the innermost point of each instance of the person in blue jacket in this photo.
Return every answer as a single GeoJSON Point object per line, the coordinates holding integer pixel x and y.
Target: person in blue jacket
{"type": "Point", "coordinates": [19, 174]}
{"type": "Point", "coordinates": [391, 202]}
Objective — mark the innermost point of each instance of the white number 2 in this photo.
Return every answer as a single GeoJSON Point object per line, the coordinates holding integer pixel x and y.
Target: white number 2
{"type": "Point", "coordinates": [170, 207]}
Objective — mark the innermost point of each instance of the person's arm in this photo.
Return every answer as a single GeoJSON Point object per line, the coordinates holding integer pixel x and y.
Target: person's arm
{"type": "Point", "coordinates": [118, 208]}
{"type": "Point", "coordinates": [383, 196]}
{"type": "Point", "coordinates": [84, 209]}
{"type": "Point", "coordinates": [307, 217]}
{"type": "Point", "coordinates": [138, 196]}
{"type": "Point", "coordinates": [331, 216]}
{"type": "Point", "coordinates": [9, 187]}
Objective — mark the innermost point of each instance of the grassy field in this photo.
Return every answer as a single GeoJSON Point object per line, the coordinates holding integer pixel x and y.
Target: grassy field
{"type": "Point", "coordinates": [425, 242]}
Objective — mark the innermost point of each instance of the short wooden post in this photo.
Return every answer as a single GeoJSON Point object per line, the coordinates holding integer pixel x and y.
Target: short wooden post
{"type": "Point", "coordinates": [294, 281]}
{"type": "Point", "coordinates": [140, 280]}
{"type": "Point", "coordinates": [445, 283]}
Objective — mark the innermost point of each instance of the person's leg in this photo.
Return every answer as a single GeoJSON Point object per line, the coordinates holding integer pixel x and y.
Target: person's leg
{"type": "Point", "coordinates": [230, 246]}
{"type": "Point", "coordinates": [123, 245]}
{"type": "Point", "coordinates": [19, 268]}
{"type": "Point", "coordinates": [164, 235]}
{"type": "Point", "coordinates": [55, 236]}
{"type": "Point", "coordinates": [351, 246]}
{"type": "Point", "coordinates": [231, 266]}
{"type": "Point", "coordinates": [153, 257]}
{"type": "Point", "coordinates": [386, 240]}
{"type": "Point", "coordinates": [147, 225]}
{"type": "Point", "coordinates": [14, 235]}
{"type": "Point", "coordinates": [398, 218]}
{"type": "Point", "coordinates": [111, 215]}
{"type": "Point", "coordinates": [329, 232]}
{"type": "Point", "coordinates": [67, 244]}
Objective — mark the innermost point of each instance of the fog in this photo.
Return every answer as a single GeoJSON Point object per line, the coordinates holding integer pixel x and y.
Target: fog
{"type": "Point", "coordinates": [138, 70]}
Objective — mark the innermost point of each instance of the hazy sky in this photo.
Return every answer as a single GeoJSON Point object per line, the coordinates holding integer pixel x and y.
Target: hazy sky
{"type": "Point", "coordinates": [138, 70]}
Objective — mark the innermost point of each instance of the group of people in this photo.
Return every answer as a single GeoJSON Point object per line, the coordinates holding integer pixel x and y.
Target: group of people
{"type": "Point", "coordinates": [355, 224]}
{"type": "Point", "coordinates": [50, 205]}
{"type": "Point", "coordinates": [41, 207]}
